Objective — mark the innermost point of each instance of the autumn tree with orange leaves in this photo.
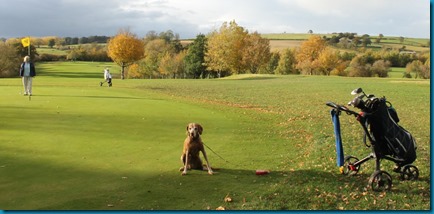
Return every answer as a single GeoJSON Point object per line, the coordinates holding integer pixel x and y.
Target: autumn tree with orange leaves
{"type": "Point", "coordinates": [125, 49]}
{"type": "Point", "coordinates": [256, 53]}
{"type": "Point", "coordinates": [233, 50]}
{"type": "Point", "coordinates": [308, 55]}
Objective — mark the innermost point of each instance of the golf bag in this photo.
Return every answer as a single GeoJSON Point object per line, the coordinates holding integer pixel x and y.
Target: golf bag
{"type": "Point", "coordinates": [389, 137]}
{"type": "Point", "coordinates": [386, 138]}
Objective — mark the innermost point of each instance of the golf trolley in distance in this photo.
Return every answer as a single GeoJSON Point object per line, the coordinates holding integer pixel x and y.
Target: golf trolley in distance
{"type": "Point", "coordinates": [386, 138]}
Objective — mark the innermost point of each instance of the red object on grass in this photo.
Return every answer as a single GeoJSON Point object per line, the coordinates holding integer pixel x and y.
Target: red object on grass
{"type": "Point", "coordinates": [262, 172]}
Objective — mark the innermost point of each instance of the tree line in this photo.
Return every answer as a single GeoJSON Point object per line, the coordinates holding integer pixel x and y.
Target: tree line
{"type": "Point", "coordinates": [230, 49]}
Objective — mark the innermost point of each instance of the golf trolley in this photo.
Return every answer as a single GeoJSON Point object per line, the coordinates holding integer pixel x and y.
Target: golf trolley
{"type": "Point", "coordinates": [386, 138]}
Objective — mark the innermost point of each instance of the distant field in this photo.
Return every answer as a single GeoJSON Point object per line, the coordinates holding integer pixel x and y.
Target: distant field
{"type": "Point", "coordinates": [407, 47]}
{"type": "Point", "coordinates": [305, 36]}
{"type": "Point", "coordinates": [291, 36]}
{"type": "Point", "coordinates": [289, 40]}
{"type": "Point", "coordinates": [278, 45]}
{"type": "Point", "coordinates": [407, 41]}
{"type": "Point", "coordinates": [48, 50]}
{"type": "Point", "coordinates": [396, 72]}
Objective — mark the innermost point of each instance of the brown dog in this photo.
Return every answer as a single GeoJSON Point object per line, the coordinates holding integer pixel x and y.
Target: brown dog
{"type": "Point", "coordinates": [192, 146]}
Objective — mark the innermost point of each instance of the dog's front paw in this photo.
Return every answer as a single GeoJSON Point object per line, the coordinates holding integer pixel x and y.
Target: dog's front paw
{"type": "Point", "coordinates": [184, 173]}
{"type": "Point", "coordinates": [210, 172]}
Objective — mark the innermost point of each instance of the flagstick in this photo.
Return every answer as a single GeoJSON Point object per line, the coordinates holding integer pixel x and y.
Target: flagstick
{"type": "Point", "coordinates": [29, 46]}
{"type": "Point", "coordinates": [30, 96]}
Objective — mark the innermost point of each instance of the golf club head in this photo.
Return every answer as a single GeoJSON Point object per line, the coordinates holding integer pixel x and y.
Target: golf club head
{"type": "Point", "coordinates": [358, 103]}
{"type": "Point", "coordinates": [357, 91]}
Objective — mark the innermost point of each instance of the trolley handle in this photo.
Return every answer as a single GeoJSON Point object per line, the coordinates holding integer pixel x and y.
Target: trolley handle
{"type": "Point", "coordinates": [341, 108]}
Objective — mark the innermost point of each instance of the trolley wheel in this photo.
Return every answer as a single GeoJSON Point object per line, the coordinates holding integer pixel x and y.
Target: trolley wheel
{"type": "Point", "coordinates": [409, 172]}
{"type": "Point", "coordinates": [349, 167]}
{"type": "Point", "coordinates": [380, 181]}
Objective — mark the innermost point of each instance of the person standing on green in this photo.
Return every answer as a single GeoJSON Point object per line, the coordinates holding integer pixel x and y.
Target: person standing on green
{"type": "Point", "coordinates": [27, 72]}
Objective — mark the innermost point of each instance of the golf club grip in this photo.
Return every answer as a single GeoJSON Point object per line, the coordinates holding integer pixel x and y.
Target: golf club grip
{"type": "Point", "coordinates": [341, 108]}
{"type": "Point", "coordinates": [332, 104]}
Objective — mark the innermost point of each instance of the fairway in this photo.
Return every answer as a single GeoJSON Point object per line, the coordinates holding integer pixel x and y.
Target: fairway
{"type": "Point", "coordinates": [78, 146]}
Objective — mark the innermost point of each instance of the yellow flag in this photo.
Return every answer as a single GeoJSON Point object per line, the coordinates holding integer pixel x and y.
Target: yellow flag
{"type": "Point", "coordinates": [25, 41]}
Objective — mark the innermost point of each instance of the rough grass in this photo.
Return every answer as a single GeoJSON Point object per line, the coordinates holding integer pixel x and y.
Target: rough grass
{"type": "Point", "coordinates": [77, 145]}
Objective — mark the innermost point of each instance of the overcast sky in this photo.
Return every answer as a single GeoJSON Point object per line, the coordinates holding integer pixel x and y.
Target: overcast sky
{"type": "Point", "coordinates": [78, 18]}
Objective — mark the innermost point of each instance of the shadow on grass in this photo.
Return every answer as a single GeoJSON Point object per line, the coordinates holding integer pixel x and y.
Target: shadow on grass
{"type": "Point", "coordinates": [94, 96]}
{"type": "Point", "coordinates": [73, 74]}
{"type": "Point", "coordinates": [258, 78]}
{"type": "Point", "coordinates": [32, 182]}
{"type": "Point", "coordinates": [252, 78]}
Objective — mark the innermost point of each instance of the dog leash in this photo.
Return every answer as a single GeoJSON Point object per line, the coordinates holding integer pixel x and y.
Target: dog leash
{"type": "Point", "coordinates": [217, 154]}
{"type": "Point", "coordinates": [221, 156]}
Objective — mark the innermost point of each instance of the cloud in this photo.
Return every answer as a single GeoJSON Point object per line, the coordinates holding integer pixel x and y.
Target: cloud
{"type": "Point", "coordinates": [191, 17]}
{"type": "Point", "coordinates": [369, 16]}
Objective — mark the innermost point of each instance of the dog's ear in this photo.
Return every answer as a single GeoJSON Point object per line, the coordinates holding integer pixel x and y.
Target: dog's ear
{"type": "Point", "coordinates": [200, 129]}
{"type": "Point", "coordinates": [187, 129]}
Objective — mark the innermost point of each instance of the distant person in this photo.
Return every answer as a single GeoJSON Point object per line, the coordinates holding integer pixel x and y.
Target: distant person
{"type": "Point", "coordinates": [27, 72]}
{"type": "Point", "coordinates": [107, 78]}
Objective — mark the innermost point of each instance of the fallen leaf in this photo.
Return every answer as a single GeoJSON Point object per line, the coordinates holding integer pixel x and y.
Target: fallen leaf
{"type": "Point", "coordinates": [228, 198]}
{"type": "Point", "coordinates": [220, 208]}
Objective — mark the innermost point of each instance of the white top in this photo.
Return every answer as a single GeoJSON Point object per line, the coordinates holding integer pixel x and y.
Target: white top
{"type": "Point", "coordinates": [107, 74]}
